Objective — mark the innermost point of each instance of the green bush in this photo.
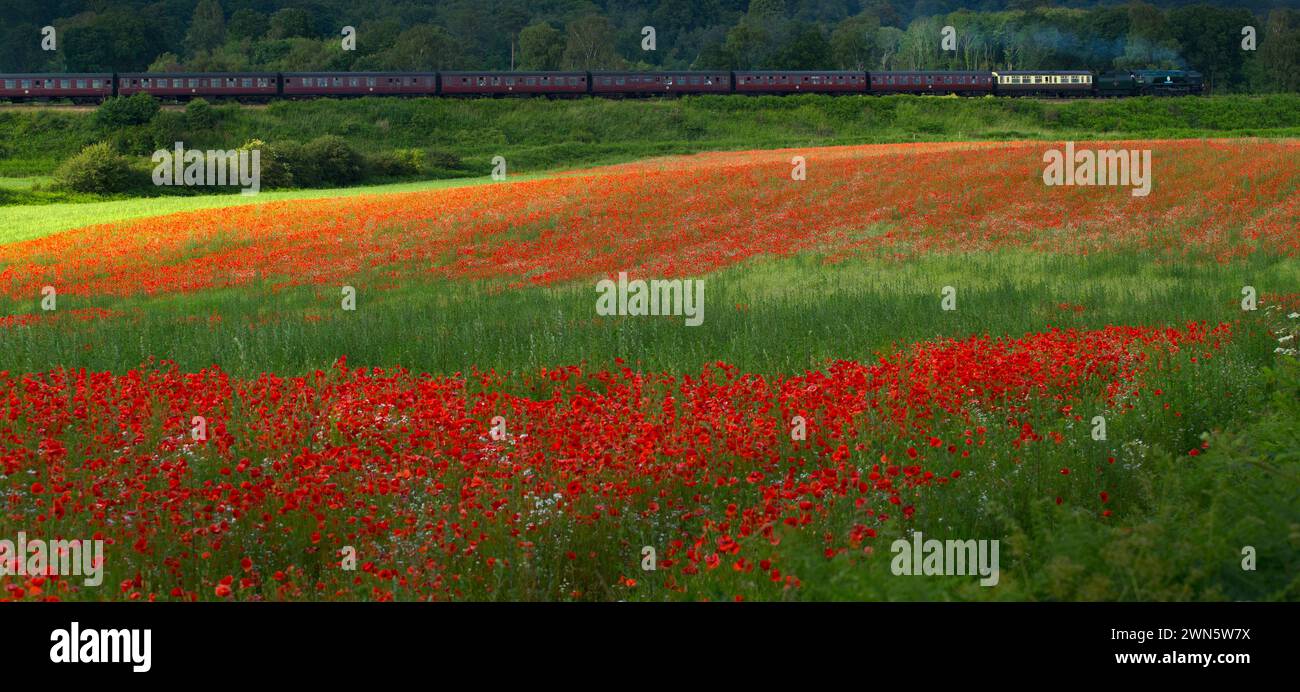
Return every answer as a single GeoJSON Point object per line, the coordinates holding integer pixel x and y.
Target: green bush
{"type": "Point", "coordinates": [445, 160]}
{"type": "Point", "coordinates": [326, 161]}
{"type": "Point", "coordinates": [335, 161]}
{"type": "Point", "coordinates": [274, 161]}
{"type": "Point", "coordinates": [97, 169]}
{"type": "Point", "coordinates": [120, 111]}
{"type": "Point", "coordinates": [200, 115]}
{"type": "Point", "coordinates": [163, 132]}
{"type": "Point", "coordinates": [397, 163]}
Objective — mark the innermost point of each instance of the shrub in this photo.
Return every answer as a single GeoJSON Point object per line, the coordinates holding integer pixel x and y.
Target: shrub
{"type": "Point", "coordinates": [276, 162]}
{"type": "Point", "coordinates": [324, 161]}
{"type": "Point", "coordinates": [447, 160]}
{"type": "Point", "coordinates": [335, 161]}
{"type": "Point", "coordinates": [163, 132]}
{"type": "Point", "coordinates": [96, 169]}
{"type": "Point", "coordinates": [120, 111]}
{"type": "Point", "coordinates": [397, 163]}
{"type": "Point", "coordinates": [200, 115]}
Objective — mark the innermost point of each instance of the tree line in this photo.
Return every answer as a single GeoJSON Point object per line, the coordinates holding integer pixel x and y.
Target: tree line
{"type": "Point", "coordinates": [1239, 45]}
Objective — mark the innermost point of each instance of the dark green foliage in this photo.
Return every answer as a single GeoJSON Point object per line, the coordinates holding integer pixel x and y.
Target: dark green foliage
{"type": "Point", "coordinates": [97, 169]}
{"type": "Point", "coordinates": [200, 115]}
{"type": "Point", "coordinates": [278, 35]}
{"type": "Point", "coordinates": [327, 161]}
{"type": "Point", "coordinates": [122, 111]}
{"type": "Point", "coordinates": [396, 164]}
{"type": "Point", "coordinates": [459, 137]}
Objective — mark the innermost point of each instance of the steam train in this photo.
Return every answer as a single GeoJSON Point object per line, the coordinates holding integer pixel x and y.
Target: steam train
{"type": "Point", "coordinates": [265, 86]}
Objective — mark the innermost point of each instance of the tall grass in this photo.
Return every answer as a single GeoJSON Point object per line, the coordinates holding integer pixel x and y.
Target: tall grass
{"type": "Point", "coordinates": [769, 315]}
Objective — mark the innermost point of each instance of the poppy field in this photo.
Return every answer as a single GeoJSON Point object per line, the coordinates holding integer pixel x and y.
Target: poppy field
{"type": "Point", "coordinates": [412, 396]}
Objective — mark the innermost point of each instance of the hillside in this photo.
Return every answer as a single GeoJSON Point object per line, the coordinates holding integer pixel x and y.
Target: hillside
{"type": "Point", "coordinates": [460, 137]}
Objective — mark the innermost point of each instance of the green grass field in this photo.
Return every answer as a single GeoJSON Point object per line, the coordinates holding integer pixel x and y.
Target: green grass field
{"type": "Point", "coordinates": [26, 221]}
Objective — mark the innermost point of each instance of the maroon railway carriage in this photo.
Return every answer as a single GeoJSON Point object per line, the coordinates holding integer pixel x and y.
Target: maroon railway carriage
{"type": "Point", "coordinates": [794, 81]}
{"type": "Point", "coordinates": [645, 83]}
{"type": "Point", "coordinates": [925, 82]}
{"type": "Point", "coordinates": [178, 85]}
{"type": "Point", "coordinates": [360, 83]}
{"type": "Point", "coordinates": [78, 87]}
{"type": "Point", "coordinates": [504, 83]}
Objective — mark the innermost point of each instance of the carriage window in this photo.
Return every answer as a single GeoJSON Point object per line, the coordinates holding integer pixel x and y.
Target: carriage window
{"type": "Point", "coordinates": [573, 81]}
{"type": "Point", "coordinates": [354, 81]}
{"type": "Point", "coordinates": [338, 82]}
{"type": "Point", "coordinates": [530, 81]}
{"type": "Point", "coordinates": [370, 81]}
